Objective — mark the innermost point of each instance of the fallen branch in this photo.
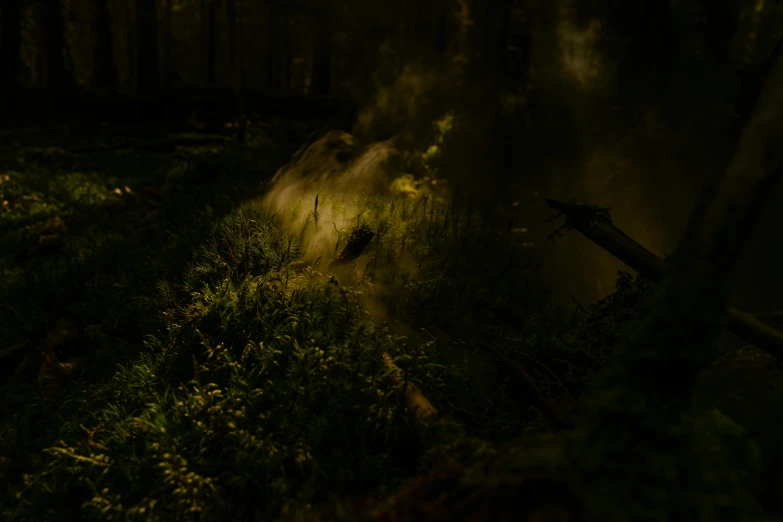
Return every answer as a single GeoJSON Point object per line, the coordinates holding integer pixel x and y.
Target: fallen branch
{"type": "Point", "coordinates": [420, 409]}
{"type": "Point", "coordinates": [770, 317]}
{"type": "Point", "coordinates": [616, 242]}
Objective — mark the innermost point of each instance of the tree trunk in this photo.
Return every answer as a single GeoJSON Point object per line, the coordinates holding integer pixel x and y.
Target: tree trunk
{"type": "Point", "coordinates": [11, 45]}
{"type": "Point", "coordinates": [442, 34]}
{"type": "Point", "coordinates": [148, 62]}
{"type": "Point", "coordinates": [649, 59]}
{"type": "Point", "coordinates": [168, 74]}
{"type": "Point", "coordinates": [104, 72]}
{"type": "Point", "coordinates": [721, 27]}
{"type": "Point", "coordinates": [321, 79]}
{"type": "Point", "coordinates": [286, 57]}
{"type": "Point", "coordinates": [211, 29]}
{"type": "Point", "coordinates": [274, 64]}
{"type": "Point", "coordinates": [231, 8]}
{"type": "Point", "coordinates": [237, 79]}
{"type": "Point", "coordinates": [130, 43]}
{"type": "Point", "coordinates": [57, 69]}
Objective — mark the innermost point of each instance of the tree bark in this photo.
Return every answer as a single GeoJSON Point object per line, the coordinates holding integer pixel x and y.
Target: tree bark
{"type": "Point", "coordinates": [130, 43]}
{"type": "Point", "coordinates": [237, 77]}
{"type": "Point", "coordinates": [274, 48]}
{"type": "Point", "coordinates": [11, 45]}
{"type": "Point", "coordinates": [104, 72]}
{"type": "Point", "coordinates": [321, 79]}
{"type": "Point", "coordinates": [721, 27]}
{"type": "Point", "coordinates": [168, 74]}
{"type": "Point", "coordinates": [211, 29]}
{"type": "Point", "coordinates": [55, 55]}
{"type": "Point", "coordinates": [148, 61]}
{"type": "Point", "coordinates": [758, 153]}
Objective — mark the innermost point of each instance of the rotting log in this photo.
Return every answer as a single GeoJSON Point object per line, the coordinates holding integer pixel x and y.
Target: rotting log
{"type": "Point", "coordinates": [606, 235]}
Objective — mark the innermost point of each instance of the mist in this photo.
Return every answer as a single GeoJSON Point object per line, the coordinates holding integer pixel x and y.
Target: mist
{"type": "Point", "coordinates": [644, 154]}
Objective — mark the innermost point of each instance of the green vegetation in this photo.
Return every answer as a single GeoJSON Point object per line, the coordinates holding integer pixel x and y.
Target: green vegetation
{"type": "Point", "coordinates": [174, 350]}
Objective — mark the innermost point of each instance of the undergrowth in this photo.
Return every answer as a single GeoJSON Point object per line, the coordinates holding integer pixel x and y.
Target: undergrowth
{"type": "Point", "coordinates": [249, 372]}
{"type": "Point", "coordinates": [207, 362]}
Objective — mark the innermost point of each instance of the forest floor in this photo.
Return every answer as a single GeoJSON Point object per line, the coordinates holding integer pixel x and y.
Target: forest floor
{"type": "Point", "coordinates": [168, 351]}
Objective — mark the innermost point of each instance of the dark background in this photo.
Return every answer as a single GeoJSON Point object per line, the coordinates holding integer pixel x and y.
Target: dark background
{"type": "Point", "coordinates": [629, 105]}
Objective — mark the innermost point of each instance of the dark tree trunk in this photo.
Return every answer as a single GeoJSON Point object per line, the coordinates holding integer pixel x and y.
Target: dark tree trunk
{"type": "Point", "coordinates": [11, 45]}
{"type": "Point", "coordinates": [57, 69]}
{"type": "Point", "coordinates": [211, 42]}
{"type": "Point", "coordinates": [274, 62]}
{"type": "Point", "coordinates": [441, 34]}
{"type": "Point", "coordinates": [521, 37]}
{"type": "Point", "coordinates": [168, 74]}
{"type": "Point", "coordinates": [237, 78]}
{"type": "Point", "coordinates": [721, 19]}
{"type": "Point", "coordinates": [130, 43]}
{"type": "Point", "coordinates": [148, 62]}
{"type": "Point", "coordinates": [287, 77]}
{"type": "Point", "coordinates": [496, 36]}
{"type": "Point", "coordinates": [231, 7]}
{"type": "Point", "coordinates": [104, 72]}
{"type": "Point", "coordinates": [321, 79]}
{"type": "Point", "coordinates": [648, 56]}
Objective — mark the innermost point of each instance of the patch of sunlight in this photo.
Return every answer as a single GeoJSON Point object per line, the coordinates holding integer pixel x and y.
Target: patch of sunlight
{"type": "Point", "coordinates": [444, 125]}
{"type": "Point", "coordinates": [404, 185]}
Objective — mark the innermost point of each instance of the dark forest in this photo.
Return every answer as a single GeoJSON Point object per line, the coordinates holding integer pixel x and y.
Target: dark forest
{"type": "Point", "coordinates": [445, 260]}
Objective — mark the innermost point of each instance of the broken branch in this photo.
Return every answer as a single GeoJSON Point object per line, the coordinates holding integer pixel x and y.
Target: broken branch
{"type": "Point", "coordinates": [620, 245]}
{"type": "Point", "coordinates": [420, 409]}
